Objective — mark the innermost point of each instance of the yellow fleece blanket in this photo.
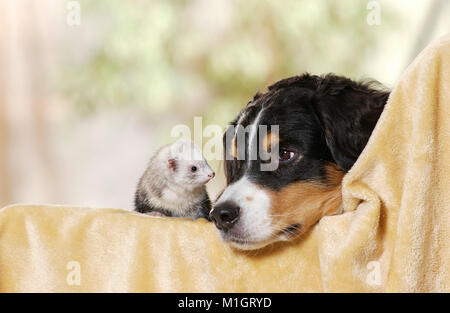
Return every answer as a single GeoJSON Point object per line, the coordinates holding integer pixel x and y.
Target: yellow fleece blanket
{"type": "Point", "coordinates": [393, 236]}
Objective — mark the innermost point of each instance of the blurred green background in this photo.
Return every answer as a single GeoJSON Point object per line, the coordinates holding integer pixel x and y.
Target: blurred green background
{"type": "Point", "coordinates": [210, 57]}
{"type": "Point", "coordinates": [101, 96]}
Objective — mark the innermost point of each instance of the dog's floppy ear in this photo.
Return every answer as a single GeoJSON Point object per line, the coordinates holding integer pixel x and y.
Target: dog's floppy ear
{"type": "Point", "coordinates": [348, 112]}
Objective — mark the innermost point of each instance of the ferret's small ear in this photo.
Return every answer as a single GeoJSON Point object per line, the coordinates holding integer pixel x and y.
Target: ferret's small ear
{"type": "Point", "coordinates": [173, 164]}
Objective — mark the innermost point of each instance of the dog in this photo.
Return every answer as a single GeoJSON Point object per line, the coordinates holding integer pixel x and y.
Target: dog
{"type": "Point", "coordinates": [324, 123]}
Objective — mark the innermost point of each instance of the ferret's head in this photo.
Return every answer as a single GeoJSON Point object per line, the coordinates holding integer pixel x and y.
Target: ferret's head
{"type": "Point", "coordinates": [187, 166]}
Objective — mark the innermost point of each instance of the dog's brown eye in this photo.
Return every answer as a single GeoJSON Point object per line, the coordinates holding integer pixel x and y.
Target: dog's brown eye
{"type": "Point", "coordinates": [286, 155]}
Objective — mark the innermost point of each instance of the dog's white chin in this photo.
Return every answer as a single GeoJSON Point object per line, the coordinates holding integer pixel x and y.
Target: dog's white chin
{"type": "Point", "coordinates": [250, 245]}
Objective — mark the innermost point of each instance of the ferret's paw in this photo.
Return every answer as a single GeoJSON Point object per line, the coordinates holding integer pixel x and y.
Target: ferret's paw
{"type": "Point", "coordinates": [156, 214]}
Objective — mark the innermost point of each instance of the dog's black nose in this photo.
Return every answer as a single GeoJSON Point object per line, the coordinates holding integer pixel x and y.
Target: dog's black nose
{"type": "Point", "coordinates": [225, 214]}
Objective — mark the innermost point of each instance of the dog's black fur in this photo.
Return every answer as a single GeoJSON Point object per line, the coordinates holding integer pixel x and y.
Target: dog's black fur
{"type": "Point", "coordinates": [324, 124]}
{"type": "Point", "coordinates": [327, 119]}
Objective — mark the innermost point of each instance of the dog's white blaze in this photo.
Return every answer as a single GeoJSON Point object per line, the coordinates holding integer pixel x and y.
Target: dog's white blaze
{"type": "Point", "coordinates": [254, 218]}
{"type": "Point", "coordinates": [253, 134]}
{"type": "Point", "coordinates": [239, 122]}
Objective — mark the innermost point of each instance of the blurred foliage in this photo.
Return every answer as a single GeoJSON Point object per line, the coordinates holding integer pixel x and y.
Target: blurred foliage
{"type": "Point", "coordinates": [206, 57]}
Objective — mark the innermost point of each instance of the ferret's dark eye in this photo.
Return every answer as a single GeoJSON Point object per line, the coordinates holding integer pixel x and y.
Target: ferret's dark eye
{"type": "Point", "coordinates": [194, 168]}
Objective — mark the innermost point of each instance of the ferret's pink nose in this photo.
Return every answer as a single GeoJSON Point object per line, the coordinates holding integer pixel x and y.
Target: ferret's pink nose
{"type": "Point", "coordinates": [211, 175]}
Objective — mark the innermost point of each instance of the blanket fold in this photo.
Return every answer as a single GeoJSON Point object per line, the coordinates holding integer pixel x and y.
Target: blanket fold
{"type": "Point", "coordinates": [394, 235]}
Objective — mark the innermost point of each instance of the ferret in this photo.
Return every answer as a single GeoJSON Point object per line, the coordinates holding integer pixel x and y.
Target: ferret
{"type": "Point", "coordinates": [174, 183]}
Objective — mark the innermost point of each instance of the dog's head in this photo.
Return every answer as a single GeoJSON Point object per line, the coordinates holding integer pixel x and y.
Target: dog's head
{"type": "Point", "coordinates": [324, 123]}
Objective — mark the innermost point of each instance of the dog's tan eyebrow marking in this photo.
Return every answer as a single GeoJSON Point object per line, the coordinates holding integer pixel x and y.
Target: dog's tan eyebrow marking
{"type": "Point", "coordinates": [249, 198]}
{"type": "Point", "coordinates": [234, 148]}
{"type": "Point", "coordinates": [269, 140]}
